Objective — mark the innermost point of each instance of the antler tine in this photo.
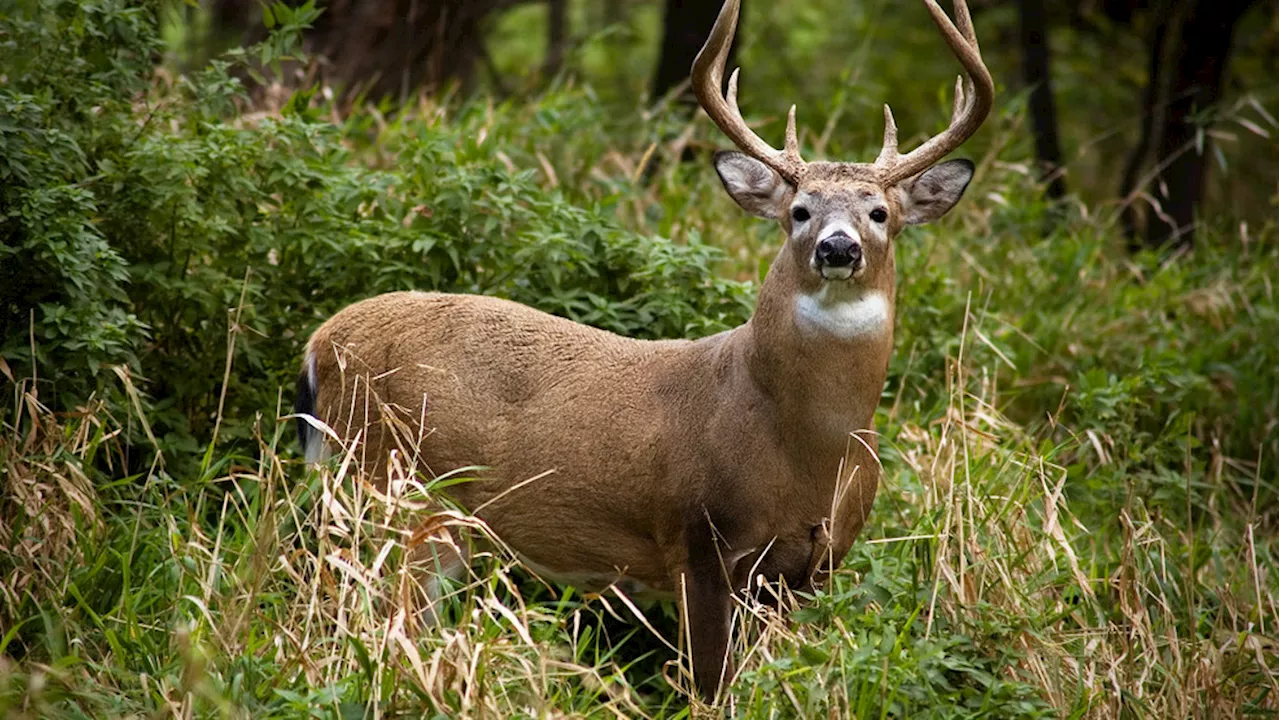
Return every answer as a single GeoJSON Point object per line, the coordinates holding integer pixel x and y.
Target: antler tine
{"type": "Point", "coordinates": [975, 93]}
{"type": "Point", "coordinates": [731, 97]}
{"type": "Point", "coordinates": [888, 149]}
{"type": "Point", "coordinates": [958, 104]}
{"type": "Point", "coordinates": [708, 70]}
{"type": "Point", "coordinates": [792, 147]}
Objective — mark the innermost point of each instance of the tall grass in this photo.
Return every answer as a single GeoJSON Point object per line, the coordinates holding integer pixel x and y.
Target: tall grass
{"type": "Point", "coordinates": [1083, 562]}
{"type": "Point", "coordinates": [1079, 509]}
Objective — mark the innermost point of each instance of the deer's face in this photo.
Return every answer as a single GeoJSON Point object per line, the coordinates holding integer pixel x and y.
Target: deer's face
{"type": "Point", "coordinates": [840, 218]}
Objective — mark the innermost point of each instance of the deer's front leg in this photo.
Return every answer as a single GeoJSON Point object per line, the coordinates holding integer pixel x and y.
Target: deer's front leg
{"type": "Point", "coordinates": [706, 601]}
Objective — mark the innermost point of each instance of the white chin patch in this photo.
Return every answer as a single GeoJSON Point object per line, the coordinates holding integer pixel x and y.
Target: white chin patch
{"type": "Point", "coordinates": [844, 316]}
{"type": "Point", "coordinates": [837, 273]}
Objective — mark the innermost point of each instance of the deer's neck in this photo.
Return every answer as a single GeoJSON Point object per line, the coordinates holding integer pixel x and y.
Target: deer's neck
{"type": "Point", "coordinates": [820, 350]}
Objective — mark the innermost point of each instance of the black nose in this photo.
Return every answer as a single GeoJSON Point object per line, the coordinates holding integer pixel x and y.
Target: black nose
{"type": "Point", "coordinates": [838, 250]}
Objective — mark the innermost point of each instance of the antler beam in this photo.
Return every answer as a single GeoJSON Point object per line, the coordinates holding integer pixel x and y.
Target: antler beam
{"type": "Point", "coordinates": [707, 76]}
{"type": "Point", "coordinates": [975, 93]}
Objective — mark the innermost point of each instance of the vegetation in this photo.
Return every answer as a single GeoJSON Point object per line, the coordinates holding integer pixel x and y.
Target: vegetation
{"type": "Point", "coordinates": [1079, 511]}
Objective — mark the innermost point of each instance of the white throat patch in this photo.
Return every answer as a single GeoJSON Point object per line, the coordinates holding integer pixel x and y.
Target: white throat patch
{"type": "Point", "coordinates": [844, 317]}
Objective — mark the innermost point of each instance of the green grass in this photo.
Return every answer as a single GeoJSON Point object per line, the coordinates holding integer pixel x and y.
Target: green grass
{"type": "Point", "coordinates": [1078, 517]}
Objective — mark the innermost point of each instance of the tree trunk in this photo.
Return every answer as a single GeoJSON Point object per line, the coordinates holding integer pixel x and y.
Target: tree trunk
{"type": "Point", "coordinates": [557, 35]}
{"type": "Point", "coordinates": [1195, 85]}
{"type": "Point", "coordinates": [1034, 37]}
{"type": "Point", "coordinates": [384, 48]}
{"type": "Point", "coordinates": [685, 26]}
{"type": "Point", "coordinates": [1152, 120]}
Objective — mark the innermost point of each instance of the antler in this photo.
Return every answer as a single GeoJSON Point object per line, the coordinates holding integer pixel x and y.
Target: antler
{"type": "Point", "coordinates": [708, 72]}
{"type": "Point", "coordinates": [974, 96]}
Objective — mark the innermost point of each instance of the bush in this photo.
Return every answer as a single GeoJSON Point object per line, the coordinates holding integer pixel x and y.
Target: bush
{"type": "Point", "coordinates": [149, 228]}
{"type": "Point", "coordinates": [69, 75]}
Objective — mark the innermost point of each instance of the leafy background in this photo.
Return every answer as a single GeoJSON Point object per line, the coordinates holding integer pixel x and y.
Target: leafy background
{"type": "Point", "coordinates": [1078, 517]}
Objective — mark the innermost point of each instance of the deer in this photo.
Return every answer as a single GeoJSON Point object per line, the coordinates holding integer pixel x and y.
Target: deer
{"type": "Point", "coordinates": [685, 469]}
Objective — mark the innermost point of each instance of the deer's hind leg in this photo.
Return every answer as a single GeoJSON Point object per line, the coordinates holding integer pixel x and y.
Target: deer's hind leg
{"type": "Point", "coordinates": [439, 556]}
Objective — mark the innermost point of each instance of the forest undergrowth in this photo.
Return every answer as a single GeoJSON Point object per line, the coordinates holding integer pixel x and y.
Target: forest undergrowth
{"type": "Point", "coordinates": [1078, 514]}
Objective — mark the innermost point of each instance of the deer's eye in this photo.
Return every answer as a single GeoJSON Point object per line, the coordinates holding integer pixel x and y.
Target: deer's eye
{"type": "Point", "coordinates": [879, 215]}
{"type": "Point", "coordinates": [799, 214]}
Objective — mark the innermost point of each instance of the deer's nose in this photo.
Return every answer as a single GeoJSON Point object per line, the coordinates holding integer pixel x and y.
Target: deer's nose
{"type": "Point", "coordinates": [838, 250]}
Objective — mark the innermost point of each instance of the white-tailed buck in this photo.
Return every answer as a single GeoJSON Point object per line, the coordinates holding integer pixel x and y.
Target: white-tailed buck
{"type": "Point", "coordinates": [685, 468]}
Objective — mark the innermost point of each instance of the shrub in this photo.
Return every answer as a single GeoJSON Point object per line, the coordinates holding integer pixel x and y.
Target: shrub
{"type": "Point", "coordinates": [69, 73]}
{"type": "Point", "coordinates": [146, 226]}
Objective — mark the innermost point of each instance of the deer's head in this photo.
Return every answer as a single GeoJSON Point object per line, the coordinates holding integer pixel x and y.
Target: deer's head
{"type": "Point", "coordinates": [840, 218]}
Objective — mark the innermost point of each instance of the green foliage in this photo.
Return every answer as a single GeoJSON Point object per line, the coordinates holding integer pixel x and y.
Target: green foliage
{"type": "Point", "coordinates": [143, 228]}
{"type": "Point", "coordinates": [1078, 516]}
{"type": "Point", "coordinates": [71, 72]}
{"type": "Point", "coordinates": [1148, 359]}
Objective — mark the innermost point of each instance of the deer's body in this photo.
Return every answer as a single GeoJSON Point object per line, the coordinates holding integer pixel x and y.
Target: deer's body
{"type": "Point", "coordinates": [690, 468]}
{"type": "Point", "coordinates": [758, 431]}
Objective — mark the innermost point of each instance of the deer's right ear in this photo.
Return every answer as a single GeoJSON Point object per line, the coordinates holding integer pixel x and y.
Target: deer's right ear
{"type": "Point", "coordinates": [751, 183]}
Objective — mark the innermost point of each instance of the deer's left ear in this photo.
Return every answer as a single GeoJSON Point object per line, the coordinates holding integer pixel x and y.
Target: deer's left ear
{"type": "Point", "coordinates": [929, 195]}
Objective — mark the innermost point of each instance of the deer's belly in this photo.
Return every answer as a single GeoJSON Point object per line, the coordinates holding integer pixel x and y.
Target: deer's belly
{"type": "Point", "coordinates": [598, 581]}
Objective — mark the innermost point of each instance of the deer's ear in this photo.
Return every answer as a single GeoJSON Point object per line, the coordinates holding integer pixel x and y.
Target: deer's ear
{"type": "Point", "coordinates": [929, 195]}
{"type": "Point", "coordinates": [751, 183]}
